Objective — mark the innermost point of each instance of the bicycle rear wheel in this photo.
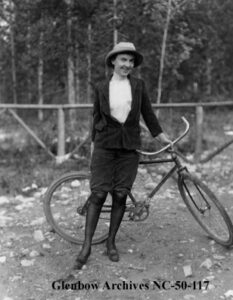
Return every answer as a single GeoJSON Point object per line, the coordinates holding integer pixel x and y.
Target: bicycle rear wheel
{"type": "Point", "coordinates": [63, 203]}
{"type": "Point", "coordinates": [206, 209]}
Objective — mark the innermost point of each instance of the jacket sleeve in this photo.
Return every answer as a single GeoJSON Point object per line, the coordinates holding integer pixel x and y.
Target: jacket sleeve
{"type": "Point", "coordinates": [148, 114]}
{"type": "Point", "coordinates": [96, 113]}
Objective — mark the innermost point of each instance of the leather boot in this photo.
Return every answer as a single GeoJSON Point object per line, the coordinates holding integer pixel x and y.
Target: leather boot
{"type": "Point", "coordinates": [117, 213]}
{"type": "Point", "coordinates": [93, 212]}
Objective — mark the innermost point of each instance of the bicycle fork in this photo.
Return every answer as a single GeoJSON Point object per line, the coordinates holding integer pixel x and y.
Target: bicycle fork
{"type": "Point", "coordinates": [200, 209]}
{"type": "Point", "coordinates": [182, 169]}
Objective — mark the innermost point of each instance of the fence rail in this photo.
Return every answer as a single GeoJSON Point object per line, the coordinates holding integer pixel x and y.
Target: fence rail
{"type": "Point", "coordinates": [89, 105]}
{"type": "Point", "coordinates": [199, 108]}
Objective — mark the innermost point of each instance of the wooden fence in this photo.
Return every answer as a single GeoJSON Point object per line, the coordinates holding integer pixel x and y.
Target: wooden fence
{"type": "Point", "coordinates": [199, 108]}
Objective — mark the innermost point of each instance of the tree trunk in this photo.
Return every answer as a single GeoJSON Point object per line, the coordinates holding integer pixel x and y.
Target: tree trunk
{"type": "Point", "coordinates": [163, 51]}
{"type": "Point", "coordinates": [13, 66]}
{"type": "Point", "coordinates": [71, 67]}
{"type": "Point", "coordinates": [89, 64]}
{"type": "Point", "coordinates": [2, 81]}
{"type": "Point", "coordinates": [208, 76]}
{"type": "Point", "coordinates": [40, 76]}
{"type": "Point", "coordinates": [77, 79]}
{"type": "Point", "coordinates": [115, 32]}
{"type": "Point", "coordinates": [29, 68]}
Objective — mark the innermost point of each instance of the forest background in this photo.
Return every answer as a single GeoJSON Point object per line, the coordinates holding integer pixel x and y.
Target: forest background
{"type": "Point", "coordinates": [53, 51]}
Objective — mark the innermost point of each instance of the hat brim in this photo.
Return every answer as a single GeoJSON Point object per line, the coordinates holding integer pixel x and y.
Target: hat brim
{"type": "Point", "coordinates": [137, 61]}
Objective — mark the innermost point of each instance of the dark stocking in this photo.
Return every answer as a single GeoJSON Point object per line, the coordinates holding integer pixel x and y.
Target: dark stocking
{"type": "Point", "coordinates": [117, 213]}
{"type": "Point", "coordinates": [93, 212]}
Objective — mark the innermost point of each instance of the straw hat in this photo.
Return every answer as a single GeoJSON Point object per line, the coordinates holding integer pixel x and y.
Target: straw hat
{"type": "Point", "coordinates": [124, 47]}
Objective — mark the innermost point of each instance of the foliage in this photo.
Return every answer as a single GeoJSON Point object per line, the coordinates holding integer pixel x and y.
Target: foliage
{"type": "Point", "coordinates": [198, 61]}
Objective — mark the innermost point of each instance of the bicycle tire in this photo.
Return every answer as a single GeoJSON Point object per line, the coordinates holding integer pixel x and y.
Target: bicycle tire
{"type": "Point", "coordinates": [62, 199]}
{"type": "Point", "coordinates": [213, 219]}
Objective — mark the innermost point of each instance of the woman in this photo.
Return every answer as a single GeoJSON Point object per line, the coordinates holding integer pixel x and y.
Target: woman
{"type": "Point", "coordinates": [118, 104]}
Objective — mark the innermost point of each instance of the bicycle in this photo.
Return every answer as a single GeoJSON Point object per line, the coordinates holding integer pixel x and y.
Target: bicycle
{"type": "Point", "coordinates": [65, 203]}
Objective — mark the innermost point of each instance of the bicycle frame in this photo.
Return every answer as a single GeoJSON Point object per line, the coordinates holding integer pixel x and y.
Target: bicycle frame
{"type": "Point", "coordinates": [177, 167]}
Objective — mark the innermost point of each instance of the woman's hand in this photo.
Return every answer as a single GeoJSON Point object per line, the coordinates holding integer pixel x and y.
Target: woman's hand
{"type": "Point", "coordinates": [164, 140]}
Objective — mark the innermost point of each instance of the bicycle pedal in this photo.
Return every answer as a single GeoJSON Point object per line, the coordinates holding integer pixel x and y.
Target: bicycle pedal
{"type": "Point", "coordinates": [131, 216]}
{"type": "Point", "coordinates": [81, 210]}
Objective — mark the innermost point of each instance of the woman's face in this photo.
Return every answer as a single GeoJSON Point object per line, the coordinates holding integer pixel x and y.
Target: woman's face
{"type": "Point", "coordinates": [123, 64]}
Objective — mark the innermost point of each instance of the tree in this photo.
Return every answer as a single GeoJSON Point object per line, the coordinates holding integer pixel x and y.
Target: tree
{"type": "Point", "coordinates": [163, 50]}
{"type": "Point", "coordinates": [57, 48]}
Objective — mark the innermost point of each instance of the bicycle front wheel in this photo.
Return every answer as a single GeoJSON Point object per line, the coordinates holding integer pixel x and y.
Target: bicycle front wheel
{"type": "Point", "coordinates": [206, 209]}
{"type": "Point", "coordinates": [63, 204]}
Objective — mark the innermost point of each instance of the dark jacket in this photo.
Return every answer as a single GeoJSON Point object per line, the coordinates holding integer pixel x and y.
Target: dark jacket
{"type": "Point", "coordinates": [108, 132]}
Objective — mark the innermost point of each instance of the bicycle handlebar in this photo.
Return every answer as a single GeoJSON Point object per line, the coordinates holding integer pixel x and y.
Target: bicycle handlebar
{"type": "Point", "coordinates": [187, 126]}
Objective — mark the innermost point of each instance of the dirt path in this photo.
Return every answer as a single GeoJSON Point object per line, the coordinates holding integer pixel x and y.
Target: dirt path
{"type": "Point", "coordinates": [155, 254]}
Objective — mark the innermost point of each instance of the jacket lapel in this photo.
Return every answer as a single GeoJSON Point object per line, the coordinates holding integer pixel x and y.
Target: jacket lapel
{"type": "Point", "coordinates": [105, 99]}
{"type": "Point", "coordinates": [134, 106]}
{"type": "Point", "coordinates": [133, 84]}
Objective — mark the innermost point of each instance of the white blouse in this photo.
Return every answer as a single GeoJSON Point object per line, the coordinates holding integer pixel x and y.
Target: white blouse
{"type": "Point", "coordinates": [120, 99]}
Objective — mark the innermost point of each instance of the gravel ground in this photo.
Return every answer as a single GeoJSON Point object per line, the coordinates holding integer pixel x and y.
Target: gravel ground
{"type": "Point", "coordinates": [167, 257]}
